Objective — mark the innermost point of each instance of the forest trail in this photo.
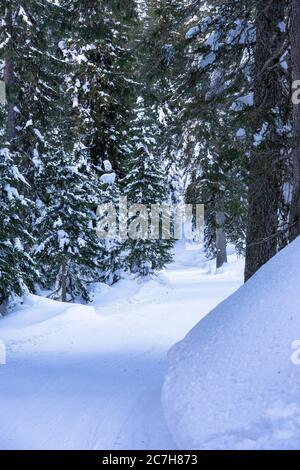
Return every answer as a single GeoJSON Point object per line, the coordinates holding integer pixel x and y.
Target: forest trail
{"type": "Point", "coordinates": [82, 377]}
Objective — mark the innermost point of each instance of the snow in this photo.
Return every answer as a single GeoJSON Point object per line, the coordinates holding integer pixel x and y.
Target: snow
{"type": "Point", "coordinates": [11, 192]}
{"type": "Point", "coordinates": [2, 353]}
{"type": "Point", "coordinates": [282, 27]}
{"type": "Point", "coordinates": [207, 60]}
{"type": "Point", "coordinates": [75, 101]}
{"type": "Point", "coordinates": [24, 16]}
{"type": "Point", "coordinates": [29, 123]}
{"type": "Point", "coordinates": [64, 239]}
{"type": "Point", "coordinates": [90, 377]}
{"type": "Point", "coordinates": [242, 102]}
{"type": "Point", "coordinates": [107, 166]}
{"type": "Point", "coordinates": [192, 32]}
{"type": "Point", "coordinates": [284, 61]}
{"type": "Point", "coordinates": [62, 45]}
{"type": "Point", "coordinates": [38, 134]}
{"type": "Point", "coordinates": [233, 382]}
{"type": "Point", "coordinates": [241, 34]}
{"type": "Point", "coordinates": [213, 41]}
{"type": "Point", "coordinates": [260, 136]}
{"type": "Point", "coordinates": [108, 178]}
{"type": "Point", "coordinates": [241, 133]}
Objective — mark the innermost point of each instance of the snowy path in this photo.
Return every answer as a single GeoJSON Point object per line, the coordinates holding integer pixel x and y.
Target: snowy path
{"type": "Point", "coordinates": [90, 377]}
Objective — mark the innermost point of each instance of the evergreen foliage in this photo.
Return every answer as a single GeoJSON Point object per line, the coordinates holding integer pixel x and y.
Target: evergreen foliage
{"type": "Point", "coordinates": [161, 101]}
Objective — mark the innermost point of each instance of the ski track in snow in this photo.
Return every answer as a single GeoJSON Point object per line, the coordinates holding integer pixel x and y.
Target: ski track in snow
{"type": "Point", "coordinates": [82, 377]}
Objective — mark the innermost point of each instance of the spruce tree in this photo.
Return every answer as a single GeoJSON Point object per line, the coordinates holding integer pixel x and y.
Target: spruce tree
{"type": "Point", "coordinates": [145, 183]}
{"type": "Point", "coordinates": [269, 140]}
{"type": "Point", "coordinates": [295, 58]}
{"type": "Point", "coordinates": [221, 114]}
{"type": "Point", "coordinates": [18, 270]}
{"type": "Point", "coordinates": [68, 247]}
{"type": "Point", "coordinates": [94, 44]}
{"type": "Point", "coordinates": [112, 247]}
{"type": "Point", "coordinates": [89, 120]}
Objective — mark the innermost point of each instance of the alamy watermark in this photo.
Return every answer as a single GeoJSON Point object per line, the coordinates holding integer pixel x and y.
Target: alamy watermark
{"type": "Point", "coordinates": [296, 92]}
{"type": "Point", "coordinates": [2, 353]}
{"type": "Point", "coordinates": [149, 222]}
{"type": "Point", "coordinates": [295, 357]}
{"type": "Point", "coordinates": [2, 92]}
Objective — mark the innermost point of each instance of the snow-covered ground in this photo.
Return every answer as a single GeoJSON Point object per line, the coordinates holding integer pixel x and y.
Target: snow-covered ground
{"type": "Point", "coordinates": [82, 377]}
{"type": "Point", "coordinates": [234, 381]}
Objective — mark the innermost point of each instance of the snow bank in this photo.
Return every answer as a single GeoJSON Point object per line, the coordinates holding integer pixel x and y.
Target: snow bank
{"type": "Point", "coordinates": [232, 382]}
{"type": "Point", "coordinates": [43, 324]}
{"type": "Point", "coordinates": [36, 310]}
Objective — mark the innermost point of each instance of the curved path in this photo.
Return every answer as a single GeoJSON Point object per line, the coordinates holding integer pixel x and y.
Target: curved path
{"type": "Point", "coordinates": [90, 377]}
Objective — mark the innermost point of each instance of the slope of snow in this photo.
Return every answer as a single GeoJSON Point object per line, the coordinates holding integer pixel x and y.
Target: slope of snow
{"type": "Point", "coordinates": [82, 377]}
{"type": "Point", "coordinates": [231, 383]}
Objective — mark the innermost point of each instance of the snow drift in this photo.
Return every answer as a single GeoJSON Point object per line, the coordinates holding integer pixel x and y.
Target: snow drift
{"type": "Point", "coordinates": [232, 383]}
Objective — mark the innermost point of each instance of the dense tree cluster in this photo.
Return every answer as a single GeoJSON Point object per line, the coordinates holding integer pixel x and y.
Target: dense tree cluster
{"type": "Point", "coordinates": [158, 101]}
{"type": "Point", "coordinates": [69, 142]}
{"type": "Point", "coordinates": [233, 90]}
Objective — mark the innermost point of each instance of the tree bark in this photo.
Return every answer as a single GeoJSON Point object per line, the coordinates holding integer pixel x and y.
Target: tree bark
{"type": "Point", "coordinates": [265, 172]}
{"type": "Point", "coordinates": [9, 89]}
{"type": "Point", "coordinates": [63, 286]}
{"type": "Point", "coordinates": [221, 244]}
{"type": "Point", "coordinates": [9, 78]}
{"type": "Point", "coordinates": [295, 56]}
{"type": "Point", "coordinates": [3, 307]}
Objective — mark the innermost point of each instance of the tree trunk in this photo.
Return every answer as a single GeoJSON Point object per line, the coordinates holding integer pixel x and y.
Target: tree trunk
{"type": "Point", "coordinates": [265, 171]}
{"type": "Point", "coordinates": [63, 280]}
{"type": "Point", "coordinates": [295, 55]}
{"type": "Point", "coordinates": [221, 244]}
{"type": "Point", "coordinates": [9, 88]}
{"type": "Point", "coordinates": [3, 307]}
{"type": "Point", "coordinates": [9, 77]}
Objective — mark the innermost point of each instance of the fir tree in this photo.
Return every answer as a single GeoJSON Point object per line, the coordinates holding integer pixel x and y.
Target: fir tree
{"type": "Point", "coordinates": [97, 78]}
{"type": "Point", "coordinates": [112, 253]}
{"type": "Point", "coordinates": [221, 114]}
{"type": "Point", "coordinates": [146, 184]}
{"type": "Point", "coordinates": [17, 268]}
{"type": "Point", "coordinates": [68, 245]}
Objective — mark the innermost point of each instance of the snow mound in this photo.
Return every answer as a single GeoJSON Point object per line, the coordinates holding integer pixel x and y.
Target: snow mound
{"type": "Point", "coordinates": [36, 310]}
{"type": "Point", "coordinates": [46, 323]}
{"type": "Point", "coordinates": [232, 383]}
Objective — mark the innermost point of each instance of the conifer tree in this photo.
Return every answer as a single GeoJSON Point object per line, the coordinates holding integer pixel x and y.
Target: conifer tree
{"type": "Point", "coordinates": [295, 59]}
{"type": "Point", "coordinates": [89, 121]}
{"type": "Point", "coordinates": [145, 184]}
{"type": "Point", "coordinates": [221, 114]}
{"type": "Point", "coordinates": [68, 247]}
{"type": "Point", "coordinates": [17, 267]}
{"type": "Point", "coordinates": [97, 78]}
{"type": "Point", "coordinates": [112, 253]}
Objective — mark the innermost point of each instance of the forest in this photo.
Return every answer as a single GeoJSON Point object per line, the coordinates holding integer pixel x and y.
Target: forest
{"type": "Point", "coordinates": [190, 98]}
{"type": "Point", "coordinates": [159, 103]}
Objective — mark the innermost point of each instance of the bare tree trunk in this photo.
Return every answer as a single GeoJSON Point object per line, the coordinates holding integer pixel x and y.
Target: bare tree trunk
{"type": "Point", "coordinates": [295, 54]}
{"type": "Point", "coordinates": [9, 79]}
{"type": "Point", "coordinates": [265, 171]}
{"type": "Point", "coordinates": [9, 88]}
{"type": "Point", "coordinates": [63, 286]}
{"type": "Point", "coordinates": [3, 307]}
{"type": "Point", "coordinates": [221, 244]}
